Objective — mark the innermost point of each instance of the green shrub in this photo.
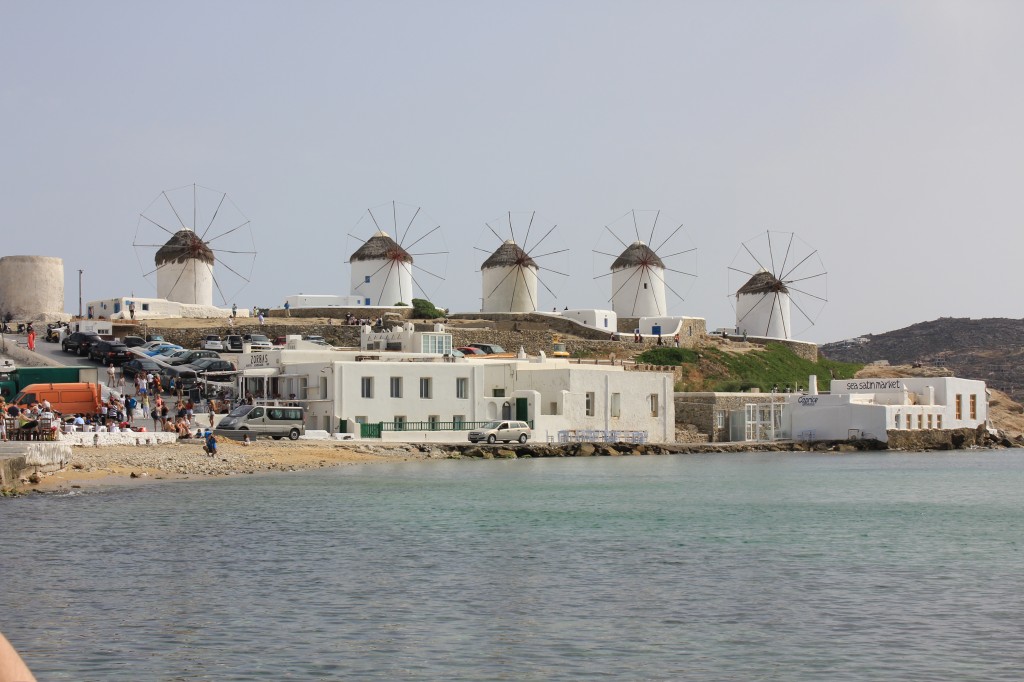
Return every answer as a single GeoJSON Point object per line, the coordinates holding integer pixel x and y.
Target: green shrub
{"type": "Point", "coordinates": [424, 309]}
{"type": "Point", "coordinates": [664, 355]}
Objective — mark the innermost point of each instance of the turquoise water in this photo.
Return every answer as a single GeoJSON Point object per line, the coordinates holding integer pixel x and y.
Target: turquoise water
{"type": "Point", "coordinates": [724, 567]}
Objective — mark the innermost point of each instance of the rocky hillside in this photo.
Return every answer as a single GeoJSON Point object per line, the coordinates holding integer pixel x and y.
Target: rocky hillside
{"type": "Point", "coordinates": [990, 349]}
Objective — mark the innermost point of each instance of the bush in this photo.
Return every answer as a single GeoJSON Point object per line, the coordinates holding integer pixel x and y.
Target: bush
{"type": "Point", "coordinates": [664, 356]}
{"type": "Point", "coordinates": [424, 309]}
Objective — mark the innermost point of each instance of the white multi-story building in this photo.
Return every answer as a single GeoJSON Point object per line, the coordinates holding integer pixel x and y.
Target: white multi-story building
{"type": "Point", "coordinates": [343, 389]}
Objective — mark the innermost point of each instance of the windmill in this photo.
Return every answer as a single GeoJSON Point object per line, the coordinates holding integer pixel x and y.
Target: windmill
{"type": "Point", "coordinates": [198, 240]}
{"type": "Point", "coordinates": [387, 267]}
{"type": "Point", "coordinates": [511, 272]}
{"type": "Point", "coordinates": [645, 272]}
{"type": "Point", "coordinates": [771, 275]}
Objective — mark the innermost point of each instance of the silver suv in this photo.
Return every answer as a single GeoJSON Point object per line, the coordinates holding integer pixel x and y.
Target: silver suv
{"type": "Point", "coordinates": [505, 431]}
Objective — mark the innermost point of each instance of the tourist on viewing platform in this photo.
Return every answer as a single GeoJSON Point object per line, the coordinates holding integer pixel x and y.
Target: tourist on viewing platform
{"type": "Point", "coordinates": [234, 310]}
{"type": "Point", "coordinates": [287, 309]}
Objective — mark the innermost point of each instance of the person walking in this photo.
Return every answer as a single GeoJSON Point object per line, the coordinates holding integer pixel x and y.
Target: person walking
{"type": "Point", "coordinates": [287, 309]}
{"type": "Point", "coordinates": [131, 309]}
{"type": "Point", "coordinates": [261, 318]}
{"type": "Point", "coordinates": [31, 336]}
{"type": "Point", "coordinates": [111, 375]}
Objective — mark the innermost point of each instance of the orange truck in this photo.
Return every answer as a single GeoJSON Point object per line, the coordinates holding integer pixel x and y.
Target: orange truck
{"type": "Point", "coordinates": [71, 398]}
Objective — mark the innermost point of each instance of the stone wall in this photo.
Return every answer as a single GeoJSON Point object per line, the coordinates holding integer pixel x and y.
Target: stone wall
{"type": "Point", "coordinates": [699, 409]}
{"type": "Point", "coordinates": [335, 334]}
{"type": "Point", "coordinates": [802, 349]}
{"type": "Point", "coordinates": [533, 321]}
{"type": "Point", "coordinates": [698, 324]}
{"type": "Point", "coordinates": [935, 439]}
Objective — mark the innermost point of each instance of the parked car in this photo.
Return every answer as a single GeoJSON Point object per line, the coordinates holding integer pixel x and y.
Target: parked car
{"type": "Point", "coordinates": [233, 343]}
{"type": "Point", "coordinates": [139, 366]}
{"type": "Point", "coordinates": [163, 349]}
{"type": "Point", "coordinates": [470, 350]}
{"type": "Point", "coordinates": [488, 348]}
{"type": "Point", "coordinates": [257, 341]}
{"type": "Point", "coordinates": [110, 352]}
{"type": "Point", "coordinates": [506, 431]}
{"type": "Point", "coordinates": [154, 337]}
{"type": "Point", "coordinates": [211, 342]}
{"type": "Point", "coordinates": [150, 345]}
{"type": "Point", "coordinates": [133, 341]}
{"type": "Point", "coordinates": [187, 357]}
{"type": "Point", "coordinates": [214, 369]}
{"type": "Point", "coordinates": [79, 342]}
{"type": "Point", "coordinates": [183, 376]}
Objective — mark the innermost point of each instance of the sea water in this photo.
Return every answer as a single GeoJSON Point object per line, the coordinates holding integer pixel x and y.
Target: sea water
{"type": "Point", "coordinates": [874, 566]}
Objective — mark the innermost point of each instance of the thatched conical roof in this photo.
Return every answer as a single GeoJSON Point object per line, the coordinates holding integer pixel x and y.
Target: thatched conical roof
{"type": "Point", "coordinates": [507, 255]}
{"type": "Point", "coordinates": [381, 247]}
{"type": "Point", "coordinates": [763, 282]}
{"type": "Point", "coordinates": [637, 254]}
{"type": "Point", "coordinates": [184, 245]}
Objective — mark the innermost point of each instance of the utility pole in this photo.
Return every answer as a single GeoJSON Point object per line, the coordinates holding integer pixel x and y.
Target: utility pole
{"type": "Point", "coordinates": [79, 293]}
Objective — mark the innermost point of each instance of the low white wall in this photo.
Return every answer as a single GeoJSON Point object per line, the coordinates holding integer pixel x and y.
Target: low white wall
{"type": "Point", "coordinates": [93, 439]}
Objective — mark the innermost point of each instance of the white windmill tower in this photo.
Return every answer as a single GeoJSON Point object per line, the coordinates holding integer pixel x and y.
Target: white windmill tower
{"type": "Point", "coordinates": [511, 273]}
{"type": "Point", "coordinates": [777, 273]}
{"type": "Point", "coordinates": [384, 267]}
{"type": "Point", "coordinates": [382, 271]}
{"type": "Point", "coordinates": [641, 278]}
{"type": "Point", "coordinates": [186, 263]}
{"type": "Point", "coordinates": [184, 269]}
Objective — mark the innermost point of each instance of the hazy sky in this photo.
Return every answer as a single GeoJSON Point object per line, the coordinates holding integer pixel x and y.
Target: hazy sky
{"type": "Point", "coordinates": [887, 135]}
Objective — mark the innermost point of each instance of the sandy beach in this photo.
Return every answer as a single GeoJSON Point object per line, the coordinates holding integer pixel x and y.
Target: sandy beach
{"type": "Point", "coordinates": [114, 465]}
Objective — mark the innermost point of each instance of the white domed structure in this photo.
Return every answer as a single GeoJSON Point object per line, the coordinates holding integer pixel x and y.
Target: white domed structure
{"type": "Point", "coordinates": [382, 272]}
{"type": "Point", "coordinates": [638, 283]}
{"type": "Point", "coordinates": [32, 288]}
{"type": "Point", "coordinates": [184, 271]}
{"type": "Point", "coordinates": [509, 280]}
{"type": "Point", "coordinates": [763, 307]}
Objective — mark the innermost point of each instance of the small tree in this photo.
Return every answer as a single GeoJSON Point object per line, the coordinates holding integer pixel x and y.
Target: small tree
{"type": "Point", "coordinates": [425, 310]}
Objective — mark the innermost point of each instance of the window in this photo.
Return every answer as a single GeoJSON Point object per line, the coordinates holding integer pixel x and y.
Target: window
{"type": "Point", "coordinates": [366, 385]}
{"type": "Point", "coordinates": [654, 404]}
{"type": "Point", "coordinates": [554, 408]}
{"type": "Point", "coordinates": [399, 421]}
{"type": "Point", "coordinates": [367, 302]}
{"type": "Point", "coordinates": [396, 387]}
{"type": "Point", "coordinates": [323, 388]}
{"type": "Point", "coordinates": [145, 306]}
{"type": "Point", "coordinates": [616, 404]}
{"type": "Point", "coordinates": [920, 421]}
{"type": "Point", "coordinates": [433, 421]}
{"type": "Point", "coordinates": [910, 424]}
{"type": "Point", "coordinates": [974, 406]}
{"type": "Point", "coordinates": [361, 419]}
{"type": "Point", "coordinates": [929, 421]}
{"type": "Point", "coordinates": [938, 421]}
{"type": "Point", "coordinates": [366, 279]}
{"type": "Point", "coordinates": [590, 404]}
{"type": "Point", "coordinates": [425, 387]}
{"type": "Point", "coordinates": [720, 419]}
{"type": "Point", "coordinates": [458, 420]}
{"type": "Point", "coordinates": [499, 393]}
{"type": "Point", "coordinates": [462, 387]}
{"type": "Point", "coordinates": [959, 406]}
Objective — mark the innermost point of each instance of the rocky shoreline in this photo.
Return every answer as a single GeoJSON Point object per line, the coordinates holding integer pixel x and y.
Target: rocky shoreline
{"type": "Point", "coordinates": [119, 465]}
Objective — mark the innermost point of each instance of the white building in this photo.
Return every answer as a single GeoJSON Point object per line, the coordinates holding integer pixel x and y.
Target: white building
{"type": "Point", "coordinates": [667, 326]}
{"type": "Point", "coordinates": [593, 318]}
{"type": "Point", "coordinates": [867, 408]}
{"type": "Point", "coordinates": [638, 282]}
{"type": "Point", "coordinates": [405, 338]}
{"type": "Point", "coordinates": [297, 301]}
{"type": "Point", "coordinates": [509, 281]}
{"type": "Point", "coordinates": [381, 272]}
{"type": "Point", "coordinates": [763, 307]}
{"type": "Point", "coordinates": [440, 397]}
{"type": "Point", "coordinates": [119, 308]}
{"type": "Point", "coordinates": [184, 270]}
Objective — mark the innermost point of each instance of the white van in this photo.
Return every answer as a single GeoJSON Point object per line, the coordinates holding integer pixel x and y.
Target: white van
{"type": "Point", "coordinates": [506, 431]}
{"type": "Point", "coordinates": [276, 421]}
